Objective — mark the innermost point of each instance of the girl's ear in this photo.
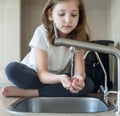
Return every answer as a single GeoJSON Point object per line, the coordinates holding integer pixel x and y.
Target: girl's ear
{"type": "Point", "coordinates": [50, 15]}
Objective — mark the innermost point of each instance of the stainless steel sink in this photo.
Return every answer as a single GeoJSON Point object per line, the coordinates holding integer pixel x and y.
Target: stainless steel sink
{"type": "Point", "coordinates": [60, 105]}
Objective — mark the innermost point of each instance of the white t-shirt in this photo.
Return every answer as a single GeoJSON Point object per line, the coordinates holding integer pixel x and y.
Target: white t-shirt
{"type": "Point", "coordinates": [58, 56]}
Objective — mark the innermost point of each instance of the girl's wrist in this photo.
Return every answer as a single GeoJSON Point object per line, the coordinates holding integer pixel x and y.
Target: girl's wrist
{"type": "Point", "coordinates": [79, 74]}
{"type": "Point", "coordinates": [60, 77]}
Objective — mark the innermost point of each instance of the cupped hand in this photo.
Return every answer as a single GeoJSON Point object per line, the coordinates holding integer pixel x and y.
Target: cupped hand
{"type": "Point", "coordinates": [77, 84]}
{"type": "Point", "coordinates": [66, 81]}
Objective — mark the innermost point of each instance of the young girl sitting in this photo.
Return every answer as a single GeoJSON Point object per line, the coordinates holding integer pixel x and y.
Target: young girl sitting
{"type": "Point", "coordinates": [40, 72]}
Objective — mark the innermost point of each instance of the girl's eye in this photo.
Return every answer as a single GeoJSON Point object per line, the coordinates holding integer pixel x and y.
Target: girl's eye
{"type": "Point", "coordinates": [61, 14]}
{"type": "Point", "coordinates": [73, 15]}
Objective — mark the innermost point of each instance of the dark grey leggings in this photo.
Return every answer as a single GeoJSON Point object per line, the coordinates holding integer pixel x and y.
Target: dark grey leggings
{"type": "Point", "coordinates": [24, 77]}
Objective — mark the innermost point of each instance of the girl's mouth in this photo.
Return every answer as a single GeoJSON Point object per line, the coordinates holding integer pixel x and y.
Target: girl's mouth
{"type": "Point", "coordinates": [67, 26]}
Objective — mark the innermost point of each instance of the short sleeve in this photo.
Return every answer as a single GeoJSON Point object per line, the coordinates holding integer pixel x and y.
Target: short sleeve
{"type": "Point", "coordinates": [39, 39]}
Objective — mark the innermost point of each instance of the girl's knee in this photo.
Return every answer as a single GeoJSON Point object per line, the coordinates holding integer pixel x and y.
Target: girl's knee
{"type": "Point", "coordinates": [11, 66]}
{"type": "Point", "coordinates": [89, 85]}
{"type": "Point", "coordinates": [11, 69]}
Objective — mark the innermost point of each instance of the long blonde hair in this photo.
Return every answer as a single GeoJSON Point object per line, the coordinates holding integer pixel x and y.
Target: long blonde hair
{"type": "Point", "coordinates": [79, 33]}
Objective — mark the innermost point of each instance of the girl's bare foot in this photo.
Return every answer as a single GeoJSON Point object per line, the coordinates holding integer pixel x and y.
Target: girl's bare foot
{"type": "Point", "coordinates": [11, 91]}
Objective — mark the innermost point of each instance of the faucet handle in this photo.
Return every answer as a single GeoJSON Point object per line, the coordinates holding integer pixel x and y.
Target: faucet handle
{"type": "Point", "coordinates": [101, 89]}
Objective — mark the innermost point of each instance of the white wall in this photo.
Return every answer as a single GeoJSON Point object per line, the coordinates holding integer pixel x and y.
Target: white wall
{"type": "Point", "coordinates": [114, 21]}
{"type": "Point", "coordinates": [97, 18]}
{"type": "Point", "coordinates": [9, 34]}
{"type": "Point", "coordinates": [104, 19]}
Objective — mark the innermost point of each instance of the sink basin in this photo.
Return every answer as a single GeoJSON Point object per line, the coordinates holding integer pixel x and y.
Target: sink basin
{"type": "Point", "coordinates": [60, 105]}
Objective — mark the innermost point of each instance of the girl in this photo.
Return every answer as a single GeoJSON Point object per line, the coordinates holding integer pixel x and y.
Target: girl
{"type": "Point", "coordinates": [41, 71]}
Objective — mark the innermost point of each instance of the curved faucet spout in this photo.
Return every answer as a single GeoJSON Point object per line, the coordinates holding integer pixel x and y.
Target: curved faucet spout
{"type": "Point", "coordinates": [98, 48]}
{"type": "Point", "coordinates": [87, 45]}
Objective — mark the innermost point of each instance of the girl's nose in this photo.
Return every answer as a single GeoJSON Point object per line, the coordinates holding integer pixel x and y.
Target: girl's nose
{"type": "Point", "coordinates": [67, 19]}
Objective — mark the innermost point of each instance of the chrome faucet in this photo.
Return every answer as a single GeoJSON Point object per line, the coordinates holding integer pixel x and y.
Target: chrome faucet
{"type": "Point", "coordinates": [105, 88]}
{"type": "Point", "coordinates": [98, 48]}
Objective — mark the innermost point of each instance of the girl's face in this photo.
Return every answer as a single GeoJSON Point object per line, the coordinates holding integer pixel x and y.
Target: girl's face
{"type": "Point", "coordinates": [65, 15]}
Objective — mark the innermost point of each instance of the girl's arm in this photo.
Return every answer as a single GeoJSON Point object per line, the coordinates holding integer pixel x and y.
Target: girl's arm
{"type": "Point", "coordinates": [79, 73]}
{"type": "Point", "coordinates": [46, 77]}
{"type": "Point", "coordinates": [80, 64]}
